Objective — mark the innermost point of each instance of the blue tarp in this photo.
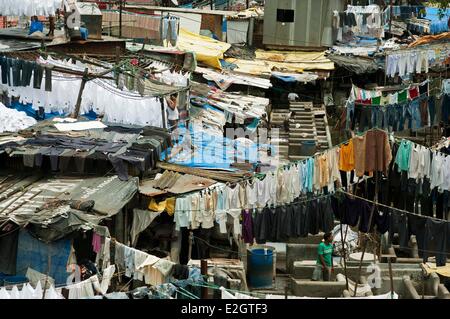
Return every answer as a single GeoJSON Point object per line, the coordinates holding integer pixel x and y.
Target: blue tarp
{"type": "Point", "coordinates": [438, 25]}
{"type": "Point", "coordinates": [228, 65]}
{"type": "Point", "coordinates": [28, 109]}
{"type": "Point", "coordinates": [11, 279]}
{"type": "Point", "coordinates": [32, 253]}
{"type": "Point", "coordinates": [285, 78]}
{"type": "Point", "coordinates": [214, 151]}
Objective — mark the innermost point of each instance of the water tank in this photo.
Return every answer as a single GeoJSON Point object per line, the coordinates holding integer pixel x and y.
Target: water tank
{"type": "Point", "coordinates": [260, 266]}
{"type": "Point", "coordinates": [87, 14]}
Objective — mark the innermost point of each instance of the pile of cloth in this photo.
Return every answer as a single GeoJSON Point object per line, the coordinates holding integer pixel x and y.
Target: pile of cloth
{"type": "Point", "coordinates": [12, 120]}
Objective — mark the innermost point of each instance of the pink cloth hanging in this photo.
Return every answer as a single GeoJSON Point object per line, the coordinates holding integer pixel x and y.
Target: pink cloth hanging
{"type": "Point", "coordinates": [96, 242]}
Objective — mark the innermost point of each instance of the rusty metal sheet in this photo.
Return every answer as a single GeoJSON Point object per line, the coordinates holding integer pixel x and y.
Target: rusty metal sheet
{"type": "Point", "coordinates": [181, 185]}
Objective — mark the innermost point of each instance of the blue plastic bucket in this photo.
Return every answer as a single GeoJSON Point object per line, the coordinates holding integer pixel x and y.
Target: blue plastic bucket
{"type": "Point", "coordinates": [260, 267]}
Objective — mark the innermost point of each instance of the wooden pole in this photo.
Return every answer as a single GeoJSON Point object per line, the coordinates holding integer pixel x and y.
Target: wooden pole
{"type": "Point", "coordinates": [365, 238]}
{"type": "Point", "coordinates": [163, 112]}
{"type": "Point", "coordinates": [80, 93]}
{"type": "Point", "coordinates": [117, 63]}
{"type": "Point", "coordinates": [191, 239]}
{"type": "Point", "coordinates": [120, 17]}
{"type": "Point", "coordinates": [49, 260]}
{"type": "Point", "coordinates": [344, 253]}
{"type": "Point", "coordinates": [204, 270]}
{"type": "Point", "coordinates": [390, 17]}
{"type": "Point", "coordinates": [391, 278]}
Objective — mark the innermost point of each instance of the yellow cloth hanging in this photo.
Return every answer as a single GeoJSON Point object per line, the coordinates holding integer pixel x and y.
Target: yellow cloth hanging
{"type": "Point", "coordinates": [167, 205]}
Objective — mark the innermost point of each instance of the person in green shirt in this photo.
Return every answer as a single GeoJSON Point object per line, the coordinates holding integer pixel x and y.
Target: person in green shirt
{"type": "Point", "coordinates": [324, 265]}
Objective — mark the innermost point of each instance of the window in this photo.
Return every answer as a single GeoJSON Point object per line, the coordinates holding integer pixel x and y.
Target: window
{"type": "Point", "coordinates": [284, 15]}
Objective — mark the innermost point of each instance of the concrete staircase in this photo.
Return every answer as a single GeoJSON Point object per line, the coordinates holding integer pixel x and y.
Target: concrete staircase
{"type": "Point", "coordinates": [280, 137]}
{"type": "Point", "coordinates": [312, 134]}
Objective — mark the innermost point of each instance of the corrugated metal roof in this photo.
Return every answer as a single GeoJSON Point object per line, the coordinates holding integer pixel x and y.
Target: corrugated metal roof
{"type": "Point", "coordinates": [23, 198]}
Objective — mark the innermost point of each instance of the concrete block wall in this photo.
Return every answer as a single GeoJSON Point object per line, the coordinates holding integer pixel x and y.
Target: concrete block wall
{"type": "Point", "coordinates": [299, 252]}
{"type": "Point", "coordinates": [307, 288]}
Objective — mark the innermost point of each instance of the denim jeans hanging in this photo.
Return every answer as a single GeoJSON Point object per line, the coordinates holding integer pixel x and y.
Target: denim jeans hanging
{"type": "Point", "coordinates": [164, 28]}
{"type": "Point", "coordinates": [446, 108]}
{"type": "Point", "coordinates": [432, 109]}
{"type": "Point", "coordinates": [350, 122]}
{"type": "Point", "coordinates": [407, 114]}
{"type": "Point", "coordinates": [379, 117]}
{"type": "Point", "coordinates": [415, 114]}
{"type": "Point", "coordinates": [38, 75]}
{"type": "Point", "coordinates": [16, 69]}
{"type": "Point", "coordinates": [173, 31]}
{"type": "Point", "coordinates": [5, 69]}
{"type": "Point", "coordinates": [365, 117]}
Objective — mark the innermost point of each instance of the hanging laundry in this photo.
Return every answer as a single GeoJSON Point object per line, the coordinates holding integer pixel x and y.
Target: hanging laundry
{"type": "Point", "coordinates": [347, 157]}
{"type": "Point", "coordinates": [378, 152]}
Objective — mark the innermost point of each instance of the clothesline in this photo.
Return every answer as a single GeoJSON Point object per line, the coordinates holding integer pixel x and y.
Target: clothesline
{"type": "Point", "coordinates": [269, 206]}
{"type": "Point", "coordinates": [423, 47]}
{"type": "Point", "coordinates": [283, 166]}
{"type": "Point", "coordinates": [212, 286]}
{"type": "Point", "coordinates": [177, 288]}
{"type": "Point", "coordinates": [246, 198]}
{"type": "Point", "coordinates": [392, 105]}
{"type": "Point", "coordinates": [333, 147]}
{"type": "Point", "coordinates": [398, 140]}
{"type": "Point", "coordinates": [390, 207]}
{"type": "Point", "coordinates": [117, 274]}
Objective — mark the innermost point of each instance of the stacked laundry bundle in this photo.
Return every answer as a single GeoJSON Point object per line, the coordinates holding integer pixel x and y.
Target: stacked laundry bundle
{"type": "Point", "coordinates": [13, 121]}
{"type": "Point", "coordinates": [236, 107]}
{"type": "Point", "coordinates": [410, 108]}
